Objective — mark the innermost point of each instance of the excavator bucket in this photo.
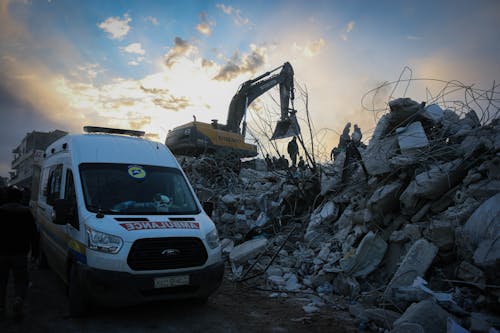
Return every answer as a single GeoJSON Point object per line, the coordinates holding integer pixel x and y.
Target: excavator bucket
{"type": "Point", "coordinates": [286, 128]}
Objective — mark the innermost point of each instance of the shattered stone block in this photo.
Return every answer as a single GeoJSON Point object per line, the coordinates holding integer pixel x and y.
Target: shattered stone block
{"type": "Point", "coordinates": [376, 157]}
{"type": "Point", "coordinates": [409, 232]}
{"type": "Point", "coordinates": [484, 222]}
{"type": "Point", "coordinates": [367, 257]}
{"type": "Point", "coordinates": [442, 234]}
{"type": "Point", "coordinates": [322, 215]}
{"type": "Point", "coordinates": [468, 272]}
{"type": "Point", "coordinates": [412, 138]}
{"type": "Point", "coordinates": [382, 317]}
{"type": "Point", "coordinates": [433, 112]}
{"type": "Point", "coordinates": [385, 198]}
{"type": "Point", "coordinates": [346, 285]}
{"type": "Point", "coordinates": [415, 263]}
{"type": "Point", "coordinates": [430, 316]}
{"type": "Point", "coordinates": [403, 109]}
{"type": "Point", "coordinates": [248, 250]}
{"type": "Point", "coordinates": [431, 184]}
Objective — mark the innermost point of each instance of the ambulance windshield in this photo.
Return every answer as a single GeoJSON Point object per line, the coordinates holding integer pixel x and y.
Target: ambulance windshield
{"type": "Point", "coordinates": [131, 189]}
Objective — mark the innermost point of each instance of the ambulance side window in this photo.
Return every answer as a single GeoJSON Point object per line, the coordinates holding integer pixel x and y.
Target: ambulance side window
{"type": "Point", "coordinates": [53, 186]}
{"type": "Point", "coordinates": [70, 196]}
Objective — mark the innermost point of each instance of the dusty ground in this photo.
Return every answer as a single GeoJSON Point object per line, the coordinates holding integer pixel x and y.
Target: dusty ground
{"type": "Point", "coordinates": [234, 308]}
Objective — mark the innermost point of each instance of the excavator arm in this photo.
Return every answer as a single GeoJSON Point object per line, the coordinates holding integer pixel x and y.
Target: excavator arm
{"type": "Point", "coordinates": [251, 89]}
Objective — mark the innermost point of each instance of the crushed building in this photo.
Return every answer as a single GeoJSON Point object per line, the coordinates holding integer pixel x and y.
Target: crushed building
{"type": "Point", "coordinates": [408, 235]}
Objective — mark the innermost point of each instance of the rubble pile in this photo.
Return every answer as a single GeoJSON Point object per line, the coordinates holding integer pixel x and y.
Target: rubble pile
{"type": "Point", "coordinates": [409, 235]}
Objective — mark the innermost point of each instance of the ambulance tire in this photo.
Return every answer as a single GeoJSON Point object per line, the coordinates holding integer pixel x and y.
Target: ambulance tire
{"type": "Point", "coordinates": [77, 301]}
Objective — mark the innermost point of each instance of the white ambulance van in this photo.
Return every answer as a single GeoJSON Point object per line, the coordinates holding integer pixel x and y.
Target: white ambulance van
{"type": "Point", "coordinates": [120, 223]}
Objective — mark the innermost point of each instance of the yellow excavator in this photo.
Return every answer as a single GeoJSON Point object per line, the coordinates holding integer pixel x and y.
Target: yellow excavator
{"type": "Point", "coordinates": [195, 138]}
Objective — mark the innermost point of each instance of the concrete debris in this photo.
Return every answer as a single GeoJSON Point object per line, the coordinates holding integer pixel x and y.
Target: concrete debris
{"type": "Point", "coordinates": [248, 250]}
{"type": "Point", "coordinates": [433, 112]}
{"type": "Point", "coordinates": [412, 138]}
{"type": "Point", "coordinates": [420, 201]}
{"type": "Point", "coordinates": [415, 263]}
{"type": "Point", "coordinates": [430, 316]}
{"type": "Point", "coordinates": [368, 255]}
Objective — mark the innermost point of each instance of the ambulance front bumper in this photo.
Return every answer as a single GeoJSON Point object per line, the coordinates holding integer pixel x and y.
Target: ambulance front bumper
{"type": "Point", "coordinates": [112, 288]}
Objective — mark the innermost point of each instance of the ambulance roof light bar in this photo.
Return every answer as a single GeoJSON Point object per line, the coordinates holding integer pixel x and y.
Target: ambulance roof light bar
{"type": "Point", "coordinates": [107, 130]}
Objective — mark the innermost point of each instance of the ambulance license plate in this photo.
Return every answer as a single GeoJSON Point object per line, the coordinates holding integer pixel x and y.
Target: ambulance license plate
{"type": "Point", "coordinates": [171, 281]}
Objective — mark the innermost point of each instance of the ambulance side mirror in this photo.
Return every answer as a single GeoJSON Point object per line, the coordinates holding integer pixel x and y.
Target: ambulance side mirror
{"type": "Point", "coordinates": [61, 209]}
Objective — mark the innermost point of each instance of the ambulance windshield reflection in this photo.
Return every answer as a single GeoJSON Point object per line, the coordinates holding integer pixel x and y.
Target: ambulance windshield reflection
{"type": "Point", "coordinates": [122, 189]}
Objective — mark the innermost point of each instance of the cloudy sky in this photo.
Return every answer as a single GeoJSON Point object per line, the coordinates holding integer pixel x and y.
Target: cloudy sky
{"type": "Point", "coordinates": [152, 65]}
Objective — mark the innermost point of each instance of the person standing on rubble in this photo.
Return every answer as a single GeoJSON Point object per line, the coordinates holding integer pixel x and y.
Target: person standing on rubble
{"type": "Point", "coordinates": [269, 163]}
{"type": "Point", "coordinates": [302, 164]}
{"type": "Point", "coordinates": [356, 135]}
{"type": "Point", "coordinates": [293, 151]}
{"type": "Point", "coordinates": [344, 139]}
{"type": "Point", "coordinates": [17, 237]}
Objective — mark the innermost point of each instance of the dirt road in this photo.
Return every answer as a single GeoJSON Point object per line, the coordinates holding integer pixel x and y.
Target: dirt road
{"type": "Point", "coordinates": [234, 308]}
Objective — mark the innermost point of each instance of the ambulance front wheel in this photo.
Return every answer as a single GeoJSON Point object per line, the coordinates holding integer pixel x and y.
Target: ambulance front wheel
{"type": "Point", "coordinates": [77, 302]}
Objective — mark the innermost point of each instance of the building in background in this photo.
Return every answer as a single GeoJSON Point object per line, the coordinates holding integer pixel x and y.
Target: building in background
{"type": "Point", "coordinates": [30, 153]}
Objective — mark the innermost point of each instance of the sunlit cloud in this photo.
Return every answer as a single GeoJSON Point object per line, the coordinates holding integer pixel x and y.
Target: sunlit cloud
{"type": "Point", "coordinates": [205, 26]}
{"type": "Point", "coordinates": [207, 63]}
{"type": "Point", "coordinates": [135, 48]}
{"type": "Point", "coordinates": [116, 27]}
{"type": "Point", "coordinates": [87, 71]}
{"type": "Point", "coordinates": [312, 48]}
{"type": "Point", "coordinates": [240, 64]}
{"type": "Point", "coordinates": [152, 20]}
{"type": "Point", "coordinates": [181, 48]}
{"type": "Point", "coordinates": [238, 18]}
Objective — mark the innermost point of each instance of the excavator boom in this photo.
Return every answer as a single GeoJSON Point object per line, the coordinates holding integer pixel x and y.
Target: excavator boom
{"type": "Point", "coordinates": [196, 137]}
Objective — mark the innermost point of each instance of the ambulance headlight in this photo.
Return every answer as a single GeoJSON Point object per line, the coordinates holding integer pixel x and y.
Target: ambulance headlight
{"type": "Point", "coordinates": [100, 241]}
{"type": "Point", "coordinates": [212, 239]}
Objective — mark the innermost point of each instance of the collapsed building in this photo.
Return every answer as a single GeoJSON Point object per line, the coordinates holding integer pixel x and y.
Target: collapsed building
{"type": "Point", "coordinates": [407, 235]}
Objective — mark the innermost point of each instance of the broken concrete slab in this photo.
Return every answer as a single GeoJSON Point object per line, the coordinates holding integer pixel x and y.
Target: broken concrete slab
{"type": "Point", "coordinates": [442, 234]}
{"type": "Point", "coordinates": [468, 272]}
{"type": "Point", "coordinates": [409, 232]}
{"type": "Point", "coordinates": [412, 138]}
{"type": "Point", "coordinates": [321, 216]}
{"type": "Point", "coordinates": [431, 184]}
{"type": "Point", "coordinates": [433, 112]}
{"type": "Point", "coordinates": [248, 250]}
{"type": "Point", "coordinates": [367, 257]}
{"type": "Point", "coordinates": [484, 223]}
{"type": "Point", "coordinates": [415, 263]}
{"type": "Point", "coordinates": [404, 110]}
{"type": "Point", "coordinates": [382, 317]}
{"type": "Point", "coordinates": [385, 198]}
{"type": "Point", "coordinates": [483, 322]}
{"type": "Point", "coordinates": [346, 285]}
{"type": "Point", "coordinates": [408, 328]}
{"type": "Point", "coordinates": [376, 156]}
{"type": "Point", "coordinates": [430, 316]}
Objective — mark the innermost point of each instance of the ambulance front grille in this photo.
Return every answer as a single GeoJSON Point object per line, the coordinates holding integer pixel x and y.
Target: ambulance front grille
{"type": "Point", "coordinates": [166, 253]}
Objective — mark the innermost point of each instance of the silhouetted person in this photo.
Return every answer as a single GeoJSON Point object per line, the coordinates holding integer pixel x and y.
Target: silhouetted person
{"type": "Point", "coordinates": [302, 164]}
{"type": "Point", "coordinates": [17, 236]}
{"type": "Point", "coordinates": [344, 139]}
{"type": "Point", "coordinates": [269, 162]}
{"type": "Point", "coordinates": [283, 162]}
{"type": "Point", "coordinates": [356, 135]}
{"type": "Point", "coordinates": [293, 150]}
